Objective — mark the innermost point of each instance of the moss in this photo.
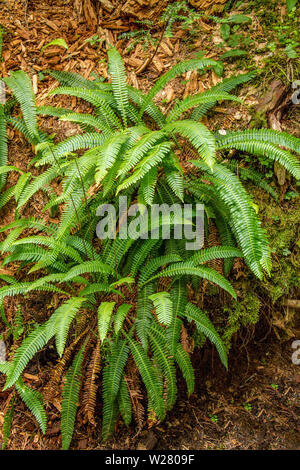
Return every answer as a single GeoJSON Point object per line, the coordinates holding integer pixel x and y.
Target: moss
{"type": "Point", "coordinates": [243, 313]}
{"type": "Point", "coordinates": [283, 236]}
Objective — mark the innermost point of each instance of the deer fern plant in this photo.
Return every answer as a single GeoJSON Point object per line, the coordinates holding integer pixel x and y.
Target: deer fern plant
{"type": "Point", "coordinates": [124, 303]}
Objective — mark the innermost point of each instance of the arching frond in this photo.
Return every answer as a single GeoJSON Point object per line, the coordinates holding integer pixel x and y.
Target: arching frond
{"type": "Point", "coordinates": [198, 135]}
{"type": "Point", "coordinates": [262, 135]}
{"type": "Point", "coordinates": [184, 105]}
{"type": "Point", "coordinates": [118, 76]}
{"type": "Point", "coordinates": [20, 84]}
{"type": "Point", "coordinates": [105, 310]}
{"type": "Point", "coordinates": [178, 69]}
{"type": "Point", "coordinates": [265, 149]}
{"type": "Point", "coordinates": [70, 396]}
{"type": "Point", "coordinates": [205, 326]}
{"type": "Point", "coordinates": [183, 360]}
{"type": "Point", "coordinates": [163, 305]}
{"type": "Point", "coordinates": [244, 220]}
{"type": "Point", "coordinates": [33, 343]}
{"type": "Point", "coordinates": [34, 401]}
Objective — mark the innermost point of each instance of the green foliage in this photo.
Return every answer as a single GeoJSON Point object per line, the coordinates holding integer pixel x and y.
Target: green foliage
{"type": "Point", "coordinates": [70, 396]}
{"type": "Point", "coordinates": [129, 296]}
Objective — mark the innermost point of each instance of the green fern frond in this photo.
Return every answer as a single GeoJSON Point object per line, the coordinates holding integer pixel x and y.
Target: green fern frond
{"type": "Point", "coordinates": [183, 360]}
{"type": "Point", "coordinates": [155, 263]}
{"type": "Point", "coordinates": [101, 100]}
{"type": "Point", "coordinates": [179, 300]}
{"type": "Point", "coordinates": [161, 354]}
{"type": "Point", "coordinates": [7, 423]}
{"type": "Point", "coordinates": [118, 77]}
{"type": "Point", "coordinates": [265, 149]}
{"type": "Point", "coordinates": [151, 380]}
{"type": "Point", "coordinates": [198, 135]}
{"type": "Point", "coordinates": [59, 323]}
{"type": "Point", "coordinates": [125, 402]}
{"type": "Point", "coordinates": [88, 267]}
{"type": "Point", "coordinates": [112, 376]}
{"type": "Point", "coordinates": [184, 105]}
{"type": "Point", "coordinates": [144, 315]}
{"type": "Point", "coordinates": [34, 401]}
{"type": "Point", "coordinates": [33, 343]}
{"type": "Point", "coordinates": [248, 174]}
{"type": "Point", "coordinates": [53, 111]}
{"type": "Point", "coordinates": [120, 316]}
{"type": "Point", "coordinates": [147, 185]}
{"type": "Point", "coordinates": [270, 136]}
{"type": "Point", "coordinates": [70, 397]}
{"type": "Point", "coordinates": [20, 84]}
{"type": "Point", "coordinates": [143, 146]}
{"type": "Point", "coordinates": [87, 120]}
{"type": "Point", "coordinates": [139, 256]}
{"type": "Point", "coordinates": [188, 269]}
{"type": "Point", "coordinates": [163, 306]}
{"type": "Point", "coordinates": [205, 326]}
{"type": "Point", "coordinates": [38, 183]}
{"type": "Point", "coordinates": [3, 144]}
{"type": "Point", "coordinates": [105, 310]}
{"type": "Point", "coordinates": [225, 86]}
{"type": "Point", "coordinates": [178, 69]}
{"type": "Point", "coordinates": [244, 221]}
{"type": "Point", "coordinates": [108, 153]}
{"type": "Point", "coordinates": [215, 252]}
{"type": "Point", "coordinates": [71, 79]}
{"type": "Point", "coordinates": [156, 155]}
{"type": "Point", "coordinates": [71, 144]}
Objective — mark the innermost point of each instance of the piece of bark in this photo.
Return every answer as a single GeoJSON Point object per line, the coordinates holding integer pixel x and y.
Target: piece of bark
{"type": "Point", "coordinates": [89, 14]}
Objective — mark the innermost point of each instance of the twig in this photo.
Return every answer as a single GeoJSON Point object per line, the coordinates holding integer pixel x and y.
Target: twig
{"type": "Point", "coordinates": [150, 59]}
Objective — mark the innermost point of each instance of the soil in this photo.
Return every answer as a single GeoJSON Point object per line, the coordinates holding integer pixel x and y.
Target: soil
{"type": "Point", "coordinates": [256, 404]}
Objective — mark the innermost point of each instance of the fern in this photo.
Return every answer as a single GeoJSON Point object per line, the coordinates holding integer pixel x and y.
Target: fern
{"type": "Point", "coordinates": [265, 149]}
{"type": "Point", "coordinates": [34, 401]}
{"type": "Point", "coordinates": [127, 144]}
{"type": "Point", "coordinates": [262, 135]}
{"type": "Point", "coordinates": [181, 107]}
{"type": "Point", "coordinates": [153, 158]}
{"type": "Point", "coordinates": [120, 316]}
{"type": "Point", "coordinates": [160, 352]}
{"type": "Point", "coordinates": [88, 267]}
{"type": "Point", "coordinates": [205, 326]}
{"type": "Point", "coordinates": [70, 396]}
{"type": "Point", "coordinates": [198, 135]}
{"type": "Point", "coordinates": [7, 423]}
{"type": "Point", "coordinates": [60, 322]}
{"type": "Point", "coordinates": [118, 75]}
{"type": "Point", "coordinates": [163, 306]}
{"type": "Point", "coordinates": [20, 84]}
{"type": "Point", "coordinates": [112, 376]}
{"type": "Point", "coordinates": [185, 365]}
{"type": "Point", "coordinates": [33, 343]}
{"type": "Point", "coordinates": [189, 269]}
{"type": "Point", "coordinates": [104, 318]}
{"type": "Point", "coordinates": [125, 402]}
{"type": "Point", "coordinates": [225, 86]}
{"type": "Point", "coordinates": [244, 221]}
{"type": "Point", "coordinates": [3, 144]}
{"type": "Point", "coordinates": [150, 379]}
{"type": "Point", "coordinates": [178, 69]}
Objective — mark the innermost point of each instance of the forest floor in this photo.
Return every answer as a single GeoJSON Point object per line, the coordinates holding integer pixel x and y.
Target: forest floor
{"type": "Point", "coordinates": [256, 404]}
